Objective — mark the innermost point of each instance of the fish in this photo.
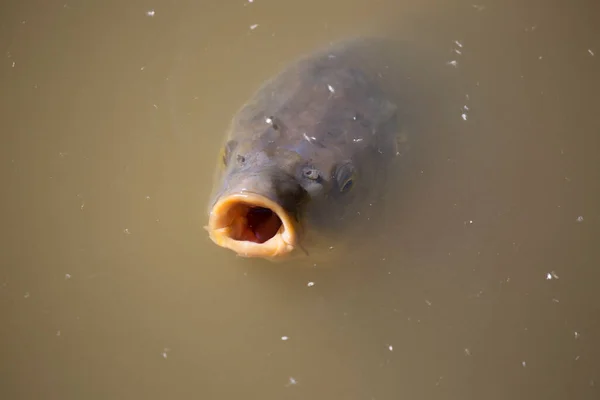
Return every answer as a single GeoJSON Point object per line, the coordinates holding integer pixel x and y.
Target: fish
{"type": "Point", "coordinates": [307, 151]}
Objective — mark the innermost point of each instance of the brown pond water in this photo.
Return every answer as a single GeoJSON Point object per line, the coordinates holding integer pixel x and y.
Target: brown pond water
{"type": "Point", "coordinates": [482, 283]}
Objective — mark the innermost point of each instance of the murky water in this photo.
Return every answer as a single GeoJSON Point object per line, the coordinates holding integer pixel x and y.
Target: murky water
{"type": "Point", "coordinates": [481, 284]}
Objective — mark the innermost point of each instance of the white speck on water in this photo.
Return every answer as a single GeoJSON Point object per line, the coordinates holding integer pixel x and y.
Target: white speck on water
{"type": "Point", "coordinates": [458, 52]}
{"type": "Point", "coordinates": [540, 57]}
{"type": "Point", "coordinates": [67, 276]}
{"type": "Point", "coordinates": [357, 140]}
{"type": "Point", "coordinates": [331, 89]}
{"type": "Point", "coordinates": [291, 381]}
{"type": "Point", "coordinates": [142, 68]}
{"type": "Point", "coordinates": [147, 197]}
{"type": "Point", "coordinates": [591, 52]}
{"type": "Point", "coordinates": [466, 107]}
{"type": "Point", "coordinates": [454, 63]}
{"type": "Point", "coordinates": [391, 348]}
{"type": "Point", "coordinates": [253, 27]}
{"type": "Point", "coordinates": [464, 116]}
{"type": "Point", "coordinates": [126, 231]}
{"type": "Point", "coordinates": [82, 205]}
{"type": "Point", "coordinates": [155, 106]}
{"type": "Point", "coordinates": [577, 358]}
{"type": "Point", "coordinates": [580, 218]}
{"type": "Point", "coordinates": [478, 7]}
{"type": "Point", "coordinates": [555, 301]}
{"type": "Point", "coordinates": [269, 121]}
{"type": "Point", "coordinates": [284, 338]}
{"type": "Point", "coordinates": [57, 333]}
{"type": "Point", "coordinates": [576, 334]}
{"type": "Point", "coordinates": [459, 44]}
{"type": "Point", "coordinates": [150, 13]}
{"type": "Point", "coordinates": [165, 352]}
{"type": "Point", "coordinates": [428, 302]}
{"type": "Point", "coordinates": [551, 275]}
{"type": "Point", "coordinates": [13, 64]}
{"type": "Point", "coordinates": [26, 295]}
{"type": "Point", "coordinates": [524, 364]}
{"type": "Point", "coordinates": [310, 284]}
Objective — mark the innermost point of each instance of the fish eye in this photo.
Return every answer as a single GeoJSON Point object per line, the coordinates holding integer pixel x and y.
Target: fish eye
{"type": "Point", "coordinates": [345, 177]}
{"type": "Point", "coordinates": [310, 173]}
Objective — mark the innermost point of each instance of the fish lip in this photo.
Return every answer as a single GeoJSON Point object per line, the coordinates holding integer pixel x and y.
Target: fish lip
{"type": "Point", "coordinates": [219, 230]}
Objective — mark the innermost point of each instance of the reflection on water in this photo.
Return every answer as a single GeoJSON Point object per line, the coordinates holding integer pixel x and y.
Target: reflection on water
{"type": "Point", "coordinates": [480, 283]}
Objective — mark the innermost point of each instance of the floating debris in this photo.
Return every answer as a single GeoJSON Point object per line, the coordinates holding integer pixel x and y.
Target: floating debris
{"type": "Point", "coordinates": [126, 231]}
{"type": "Point", "coordinates": [310, 284]}
{"type": "Point", "coordinates": [57, 333]}
{"type": "Point", "coordinates": [551, 275]}
{"type": "Point", "coordinates": [26, 295]}
{"type": "Point", "coordinates": [291, 381]}
{"type": "Point", "coordinates": [524, 364]}
{"type": "Point", "coordinates": [580, 218]}
{"type": "Point", "coordinates": [67, 276]}
{"type": "Point", "coordinates": [165, 352]}
{"type": "Point", "coordinates": [150, 13]}
{"type": "Point", "coordinates": [576, 334]}
{"type": "Point", "coordinates": [467, 352]}
{"type": "Point", "coordinates": [391, 348]}
{"type": "Point", "coordinates": [428, 302]}
{"type": "Point", "coordinates": [284, 338]}
{"type": "Point", "coordinates": [331, 89]}
{"type": "Point", "coordinates": [591, 52]}
{"type": "Point", "coordinates": [453, 63]}
{"type": "Point", "coordinates": [253, 27]}
{"type": "Point", "coordinates": [464, 116]}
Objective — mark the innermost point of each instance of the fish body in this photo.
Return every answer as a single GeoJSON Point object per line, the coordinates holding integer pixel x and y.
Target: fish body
{"type": "Point", "coordinates": [305, 153]}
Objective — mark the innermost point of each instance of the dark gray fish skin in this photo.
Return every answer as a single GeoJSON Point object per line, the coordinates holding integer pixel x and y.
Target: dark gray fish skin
{"type": "Point", "coordinates": [314, 142]}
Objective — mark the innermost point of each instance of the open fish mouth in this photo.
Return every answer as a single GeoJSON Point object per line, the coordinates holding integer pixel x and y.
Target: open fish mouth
{"type": "Point", "coordinates": [252, 226]}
